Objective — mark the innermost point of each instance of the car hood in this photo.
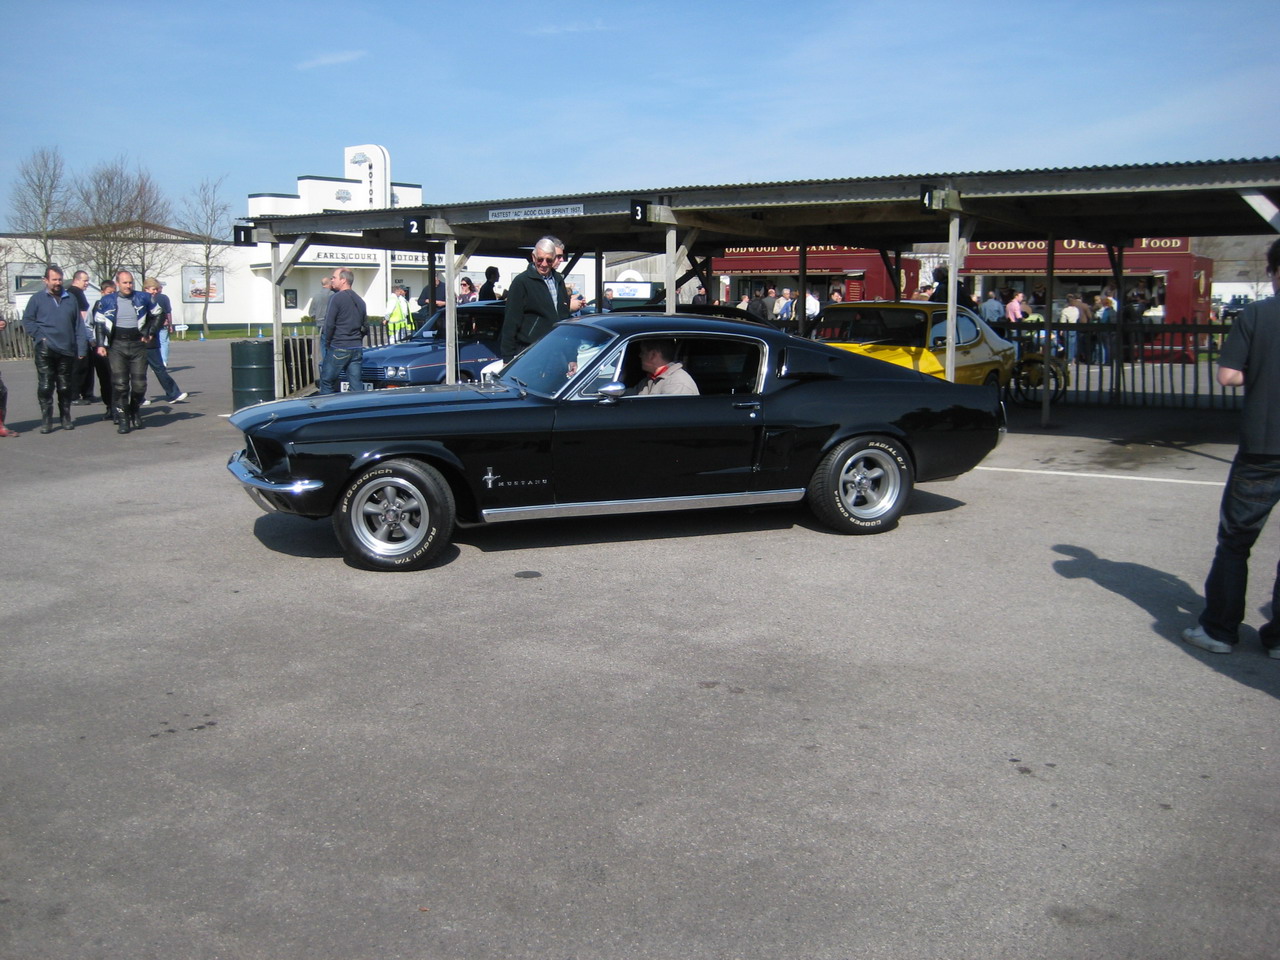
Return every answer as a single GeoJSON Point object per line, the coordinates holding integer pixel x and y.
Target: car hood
{"type": "Point", "coordinates": [380, 402]}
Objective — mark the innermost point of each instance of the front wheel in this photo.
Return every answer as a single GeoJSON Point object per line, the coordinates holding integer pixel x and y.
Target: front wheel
{"type": "Point", "coordinates": [862, 485]}
{"type": "Point", "coordinates": [1028, 381]}
{"type": "Point", "coordinates": [396, 515]}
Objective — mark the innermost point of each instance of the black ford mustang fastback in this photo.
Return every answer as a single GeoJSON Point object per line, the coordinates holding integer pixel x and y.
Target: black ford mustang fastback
{"type": "Point", "coordinates": [561, 432]}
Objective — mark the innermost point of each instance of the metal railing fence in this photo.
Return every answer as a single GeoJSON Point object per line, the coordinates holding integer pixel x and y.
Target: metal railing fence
{"type": "Point", "coordinates": [1149, 364]}
{"type": "Point", "coordinates": [302, 357]}
{"type": "Point", "coordinates": [14, 342]}
{"type": "Point", "coordinates": [1136, 364]}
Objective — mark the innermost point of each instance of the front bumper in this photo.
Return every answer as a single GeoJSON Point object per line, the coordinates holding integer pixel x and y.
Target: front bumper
{"type": "Point", "coordinates": [271, 496]}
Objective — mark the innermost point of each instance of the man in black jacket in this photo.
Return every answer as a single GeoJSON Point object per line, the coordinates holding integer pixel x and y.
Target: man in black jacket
{"type": "Point", "coordinates": [536, 301]}
{"type": "Point", "coordinates": [941, 290]}
{"type": "Point", "coordinates": [487, 291]}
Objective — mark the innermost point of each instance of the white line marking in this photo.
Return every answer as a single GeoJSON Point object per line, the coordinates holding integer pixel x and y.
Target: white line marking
{"type": "Point", "coordinates": [1104, 476]}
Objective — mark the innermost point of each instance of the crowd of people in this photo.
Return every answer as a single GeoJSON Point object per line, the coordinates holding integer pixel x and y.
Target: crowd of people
{"type": "Point", "coordinates": [116, 341]}
{"type": "Point", "coordinates": [791, 310]}
{"type": "Point", "coordinates": [1084, 336]}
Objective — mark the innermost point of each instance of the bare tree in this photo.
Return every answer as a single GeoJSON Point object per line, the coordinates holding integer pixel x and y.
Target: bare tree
{"type": "Point", "coordinates": [119, 218]}
{"type": "Point", "coordinates": [207, 216]}
{"type": "Point", "coordinates": [39, 204]}
{"type": "Point", "coordinates": [154, 252]}
{"type": "Point", "coordinates": [103, 206]}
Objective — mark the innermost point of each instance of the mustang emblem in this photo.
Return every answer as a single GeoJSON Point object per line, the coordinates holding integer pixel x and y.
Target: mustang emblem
{"type": "Point", "coordinates": [490, 477]}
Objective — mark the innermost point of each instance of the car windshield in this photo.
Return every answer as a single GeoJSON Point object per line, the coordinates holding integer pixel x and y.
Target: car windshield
{"type": "Point", "coordinates": [898, 328]}
{"type": "Point", "coordinates": [472, 325]}
{"type": "Point", "coordinates": [549, 364]}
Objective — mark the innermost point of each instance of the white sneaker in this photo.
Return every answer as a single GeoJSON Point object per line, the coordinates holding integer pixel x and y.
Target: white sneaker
{"type": "Point", "coordinates": [1198, 638]}
{"type": "Point", "coordinates": [145, 403]}
{"type": "Point", "coordinates": [179, 398]}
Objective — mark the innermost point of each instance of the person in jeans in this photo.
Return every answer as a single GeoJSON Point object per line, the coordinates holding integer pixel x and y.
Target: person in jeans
{"type": "Point", "coordinates": [343, 341]}
{"type": "Point", "coordinates": [1250, 358]}
{"type": "Point", "coordinates": [158, 348]}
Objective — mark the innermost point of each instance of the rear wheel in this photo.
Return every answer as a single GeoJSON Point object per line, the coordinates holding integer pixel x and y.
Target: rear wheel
{"type": "Point", "coordinates": [396, 515]}
{"type": "Point", "coordinates": [862, 486]}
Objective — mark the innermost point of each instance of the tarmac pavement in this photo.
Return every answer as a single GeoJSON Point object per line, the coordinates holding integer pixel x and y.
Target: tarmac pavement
{"type": "Point", "coordinates": [729, 734]}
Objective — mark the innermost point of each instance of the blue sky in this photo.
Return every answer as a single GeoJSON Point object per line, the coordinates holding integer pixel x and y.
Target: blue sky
{"type": "Point", "coordinates": [498, 100]}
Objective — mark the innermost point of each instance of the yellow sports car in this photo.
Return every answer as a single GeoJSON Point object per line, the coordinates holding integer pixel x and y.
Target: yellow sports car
{"type": "Point", "coordinates": [913, 334]}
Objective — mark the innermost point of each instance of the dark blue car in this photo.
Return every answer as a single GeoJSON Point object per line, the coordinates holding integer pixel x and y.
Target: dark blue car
{"type": "Point", "coordinates": [419, 359]}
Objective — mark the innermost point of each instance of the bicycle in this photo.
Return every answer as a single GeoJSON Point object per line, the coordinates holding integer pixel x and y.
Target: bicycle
{"type": "Point", "coordinates": [1029, 374]}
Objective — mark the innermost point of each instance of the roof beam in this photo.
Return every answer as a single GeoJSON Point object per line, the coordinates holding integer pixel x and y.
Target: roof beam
{"type": "Point", "coordinates": [1264, 207]}
{"type": "Point", "coordinates": [280, 269]}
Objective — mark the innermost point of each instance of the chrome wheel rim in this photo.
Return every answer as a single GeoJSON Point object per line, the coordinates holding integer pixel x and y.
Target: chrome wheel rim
{"type": "Point", "coordinates": [869, 484]}
{"type": "Point", "coordinates": [390, 517]}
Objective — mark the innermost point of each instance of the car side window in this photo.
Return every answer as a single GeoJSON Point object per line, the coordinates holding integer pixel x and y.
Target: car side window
{"type": "Point", "coordinates": [966, 330]}
{"type": "Point", "coordinates": [722, 365]}
{"type": "Point", "coordinates": [609, 371]}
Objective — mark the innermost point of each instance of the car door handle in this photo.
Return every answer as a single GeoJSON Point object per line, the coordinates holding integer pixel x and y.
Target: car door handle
{"type": "Point", "coordinates": [747, 405]}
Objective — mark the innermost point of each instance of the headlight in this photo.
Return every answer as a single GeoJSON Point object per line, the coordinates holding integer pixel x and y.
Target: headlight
{"type": "Point", "coordinates": [397, 373]}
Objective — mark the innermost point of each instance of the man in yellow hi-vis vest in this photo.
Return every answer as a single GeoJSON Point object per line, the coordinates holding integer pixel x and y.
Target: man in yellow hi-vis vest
{"type": "Point", "coordinates": [398, 318]}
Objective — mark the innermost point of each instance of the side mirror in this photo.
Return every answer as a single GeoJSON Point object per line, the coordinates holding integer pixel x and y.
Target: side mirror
{"type": "Point", "coordinates": [610, 392]}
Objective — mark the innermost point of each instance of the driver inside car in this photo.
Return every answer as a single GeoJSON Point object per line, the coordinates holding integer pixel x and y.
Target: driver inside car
{"type": "Point", "coordinates": [663, 375]}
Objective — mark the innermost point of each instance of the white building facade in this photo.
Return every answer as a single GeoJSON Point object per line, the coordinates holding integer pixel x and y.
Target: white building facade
{"type": "Point", "coordinates": [365, 185]}
{"type": "Point", "coordinates": [238, 290]}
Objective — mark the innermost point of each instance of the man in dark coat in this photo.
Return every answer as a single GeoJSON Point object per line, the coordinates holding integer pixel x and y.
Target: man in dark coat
{"type": "Point", "coordinates": [939, 295]}
{"type": "Point", "coordinates": [536, 301]}
{"type": "Point", "coordinates": [53, 320]}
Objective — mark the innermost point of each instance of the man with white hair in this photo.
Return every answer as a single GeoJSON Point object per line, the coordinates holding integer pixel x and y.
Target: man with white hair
{"type": "Point", "coordinates": [537, 299]}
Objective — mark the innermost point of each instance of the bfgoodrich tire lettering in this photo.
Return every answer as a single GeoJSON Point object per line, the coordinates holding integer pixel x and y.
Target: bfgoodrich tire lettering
{"type": "Point", "coordinates": [862, 486]}
{"type": "Point", "coordinates": [396, 515]}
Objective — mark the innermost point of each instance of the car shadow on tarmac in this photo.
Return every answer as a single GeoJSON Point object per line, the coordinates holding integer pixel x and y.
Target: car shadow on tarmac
{"type": "Point", "coordinates": [1172, 605]}
{"type": "Point", "coordinates": [1176, 429]}
{"type": "Point", "coordinates": [297, 536]}
{"type": "Point", "coordinates": [315, 539]}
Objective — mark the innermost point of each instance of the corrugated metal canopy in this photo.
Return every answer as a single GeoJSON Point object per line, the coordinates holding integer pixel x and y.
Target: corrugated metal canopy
{"type": "Point", "coordinates": [1106, 204]}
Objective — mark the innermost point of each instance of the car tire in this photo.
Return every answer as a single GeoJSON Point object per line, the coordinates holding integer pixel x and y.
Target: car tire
{"type": "Point", "coordinates": [396, 515]}
{"type": "Point", "coordinates": [862, 486]}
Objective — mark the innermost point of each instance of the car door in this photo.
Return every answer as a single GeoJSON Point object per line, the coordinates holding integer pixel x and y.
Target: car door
{"type": "Point", "coordinates": [655, 447]}
{"type": "Point", "coordinates": [972, 358]}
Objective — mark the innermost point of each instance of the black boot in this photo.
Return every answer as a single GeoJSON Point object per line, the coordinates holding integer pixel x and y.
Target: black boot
{"type": "Point", "coordinates": [46, 417]}
{"type": "Point", "coordinates": [122, 422]}
{"type": "Point", "coordinates": [135, 419]}
{"type": "Point", "coordinates": [67, 422]}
